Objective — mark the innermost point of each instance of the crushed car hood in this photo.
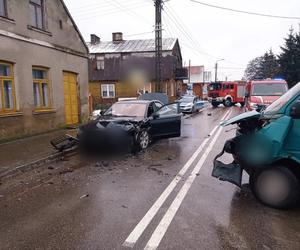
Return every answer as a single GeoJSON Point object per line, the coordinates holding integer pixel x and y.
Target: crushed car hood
{"type": "Point", "coordinates": [111, 121]}
{"type": "Point", "coordinates": [242, 117]}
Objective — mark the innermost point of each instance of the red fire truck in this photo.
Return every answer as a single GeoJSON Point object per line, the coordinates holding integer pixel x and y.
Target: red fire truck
{"type": "Point", "coordinates": [226, 93]}
{"type": "Point", "coordinates": [262, 93]}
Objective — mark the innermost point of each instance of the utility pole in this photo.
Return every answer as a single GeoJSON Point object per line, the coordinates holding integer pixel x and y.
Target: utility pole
{"type": "Point", "coordinates": [216, 69]}
{"type": "Point", "coordinates": [189, 71]}
{"type": "Point", "coordinates": [216, 72]}
{"type": "Point", "coordinates": [158, 45]}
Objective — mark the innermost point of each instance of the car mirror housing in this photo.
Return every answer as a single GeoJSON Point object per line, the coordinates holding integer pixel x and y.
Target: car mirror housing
{"type": "Point", "coordinates": [295, 110]}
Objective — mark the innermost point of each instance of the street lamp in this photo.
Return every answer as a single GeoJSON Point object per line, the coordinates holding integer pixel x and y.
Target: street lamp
{"type": "Point", "coordinates": [216, 69]}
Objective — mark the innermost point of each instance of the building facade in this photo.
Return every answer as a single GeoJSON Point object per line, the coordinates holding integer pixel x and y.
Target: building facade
{"type": "Point", "coordinates": [198, 81]}
{"type": "Point", "coordinates": [43, 68]}
{"type": "Point", "coordinates": [126, 68]}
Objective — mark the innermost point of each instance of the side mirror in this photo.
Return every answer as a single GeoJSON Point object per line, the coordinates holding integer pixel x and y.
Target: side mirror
{"type": "Point", "coordinates": [295, 110]}
{"type": "Point", "coordinates": [155, 116]}
{"type": "Point", "coordinates": [102, 112]}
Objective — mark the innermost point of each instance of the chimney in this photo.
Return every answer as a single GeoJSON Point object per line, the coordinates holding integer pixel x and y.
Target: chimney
{"type": "Point", "coordinates": [117, 37]}
{"type": "Point", "coordinates": [95, 39]}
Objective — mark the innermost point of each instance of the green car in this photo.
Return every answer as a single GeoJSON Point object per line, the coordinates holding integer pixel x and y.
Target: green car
{"type": "Point", "coordinates": [267, 147]}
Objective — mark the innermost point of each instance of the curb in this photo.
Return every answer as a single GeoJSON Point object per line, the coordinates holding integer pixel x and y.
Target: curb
{"type": "Point", "coordinates": [31, 165]}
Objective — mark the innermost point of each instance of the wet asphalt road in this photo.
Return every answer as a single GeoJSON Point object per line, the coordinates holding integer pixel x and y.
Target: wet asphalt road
{"type": "Point", "coordinates": [82, 203]}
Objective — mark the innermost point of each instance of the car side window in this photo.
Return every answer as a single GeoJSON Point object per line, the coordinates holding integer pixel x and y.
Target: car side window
{"type": "Point", "coordinates": [150, 110]}
{"type": "Point", "coordinates": [294, 109]}
{"type": "Point", "coordinates": [158, 105]}
{"type": "Point", "coordinates": [167, 110]}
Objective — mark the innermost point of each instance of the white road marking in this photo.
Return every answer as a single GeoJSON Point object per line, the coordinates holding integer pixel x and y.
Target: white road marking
{"type": "Point", "coordinates": [161, 229]}
{"type": "Point", "coordinates": [145, 221]}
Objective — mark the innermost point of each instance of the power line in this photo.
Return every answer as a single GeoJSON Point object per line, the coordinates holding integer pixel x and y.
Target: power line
{"type": "Point", "coordinates": [138, 34]}
{"type": "Point", "coordinates": [183, 29]}
{"type": "Point", "coordinates": [245, 12]}
{"type": "Point", "coordinates": [100, 10]}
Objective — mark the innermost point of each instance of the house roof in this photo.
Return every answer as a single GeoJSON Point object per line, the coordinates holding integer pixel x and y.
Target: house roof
{"type": "Point", "coordinates": [147, 45]}
{"type": "Point", "coordinates": [74, 25]}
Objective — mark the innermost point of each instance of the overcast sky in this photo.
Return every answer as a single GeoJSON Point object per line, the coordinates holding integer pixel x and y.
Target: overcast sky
{"type": "Point", "coordinates": [205, 34]}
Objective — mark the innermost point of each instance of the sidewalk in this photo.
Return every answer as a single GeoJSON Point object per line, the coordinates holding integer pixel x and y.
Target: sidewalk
{"type": "Point", "coordinates": [28, 150]}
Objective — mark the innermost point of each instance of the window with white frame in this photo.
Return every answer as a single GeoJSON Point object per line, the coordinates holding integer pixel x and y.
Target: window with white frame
{"type": "Point", "coordinates": [108, 91]}
{"type": "Point", "coordinates": [100, 62]}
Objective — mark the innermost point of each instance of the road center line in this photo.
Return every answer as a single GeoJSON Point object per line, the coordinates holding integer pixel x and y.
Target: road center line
{"type": "Point", "coordinates": [145, 221]}
{"type": "Point", "coordinates": [161, 229]}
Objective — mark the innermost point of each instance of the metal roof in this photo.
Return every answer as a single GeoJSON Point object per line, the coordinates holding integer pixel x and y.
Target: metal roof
{"type": "Point", "coordinates": [128, 46]}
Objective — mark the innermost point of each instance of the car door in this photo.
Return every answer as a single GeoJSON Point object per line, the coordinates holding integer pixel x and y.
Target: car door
{"type": "Point", "coordinates": [292, 144]}
{"type": "Point", "coordinates": [166, 122]}
{"type": "Point", "coordinates": [198, 104]}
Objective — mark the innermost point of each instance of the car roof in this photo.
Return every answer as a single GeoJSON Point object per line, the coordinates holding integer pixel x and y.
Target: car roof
{"type": "Point", "coordinates": [139, 101]}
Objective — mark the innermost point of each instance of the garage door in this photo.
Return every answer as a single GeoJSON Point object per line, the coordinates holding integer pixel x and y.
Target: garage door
{"type": "Point", "coordinates": [71, 98]}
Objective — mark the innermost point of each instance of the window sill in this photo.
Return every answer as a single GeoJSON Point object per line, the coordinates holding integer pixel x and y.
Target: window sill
{"type": "Point", "coordinates": [10, 114]}
{"type": "Point", "coordinates": [108, 97]}
{"type": "Point", "coordinates": [39, 30]}
{"type": "Point", "coordinates": [6, 19]}
{"type": "Point", "coordinates": [43, 111]}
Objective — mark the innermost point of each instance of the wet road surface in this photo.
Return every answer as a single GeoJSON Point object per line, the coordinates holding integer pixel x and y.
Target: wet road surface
{"type": "Point", "coordinates": [159, 198]}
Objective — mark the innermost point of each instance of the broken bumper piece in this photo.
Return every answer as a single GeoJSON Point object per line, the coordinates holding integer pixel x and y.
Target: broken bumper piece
{"type": "Point", "coordinates": [64, 142]}
{"type": "Point", "coordinates": [228, 172]}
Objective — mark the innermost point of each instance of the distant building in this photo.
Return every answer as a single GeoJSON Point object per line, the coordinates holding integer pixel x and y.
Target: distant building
{"type": "Point", "coordinates": [199, 79]}
{"type": "Point", "coordinates": [126, 68]}
{"type": "Point", "coordinates": [43, 68]}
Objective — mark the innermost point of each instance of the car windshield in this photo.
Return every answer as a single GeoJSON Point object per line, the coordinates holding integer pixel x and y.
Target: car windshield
{"type": "Point", "coordinates": [127, 109]}
{"type": "Point", "coordinates": [269, 89]}
{"type": "Point", "coordinates": [186, 99]}
{"type": "Point", "coordinates": [279, 104]}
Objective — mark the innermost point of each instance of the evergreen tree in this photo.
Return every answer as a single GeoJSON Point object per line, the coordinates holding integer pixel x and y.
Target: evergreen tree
{"type": "Point", "coordinates": [269, 65]}
{"type": "Point", "coordinates": [262, 67]}
{"type": "Point", "coordinates": [289, 58]}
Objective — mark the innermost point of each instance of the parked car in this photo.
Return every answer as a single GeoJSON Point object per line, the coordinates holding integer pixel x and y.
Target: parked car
{"type": "Point", "coordinates": [267, 147]}
{"type": "Point", "coordinates": [190, 104]}
{"type": "Point", "coordinates": [131, 125]}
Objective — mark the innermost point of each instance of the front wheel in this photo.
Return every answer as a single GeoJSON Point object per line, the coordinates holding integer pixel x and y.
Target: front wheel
{"type": "Point", "coordinates": [215, 104]}
{"type": "Point", "coordinates": [276, 187]}
{"type": "Point", "coordinates": [143, 139]}
{"type": "Point", "coordinates": [228, 102]}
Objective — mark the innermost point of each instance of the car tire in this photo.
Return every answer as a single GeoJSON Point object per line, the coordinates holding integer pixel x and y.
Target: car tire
{"type": "Point", "coordinates": [228, 102]}
{"type": "Point", "coordinates": [143, 139]}
{"type": "Point", "coordinates": [215, 104]}
{"type": "Point", "coordinates": [264, 187]}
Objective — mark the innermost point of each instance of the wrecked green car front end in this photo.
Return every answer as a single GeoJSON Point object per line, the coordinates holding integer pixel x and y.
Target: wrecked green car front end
{"type": "Point", "coordinates": [264, 140]}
